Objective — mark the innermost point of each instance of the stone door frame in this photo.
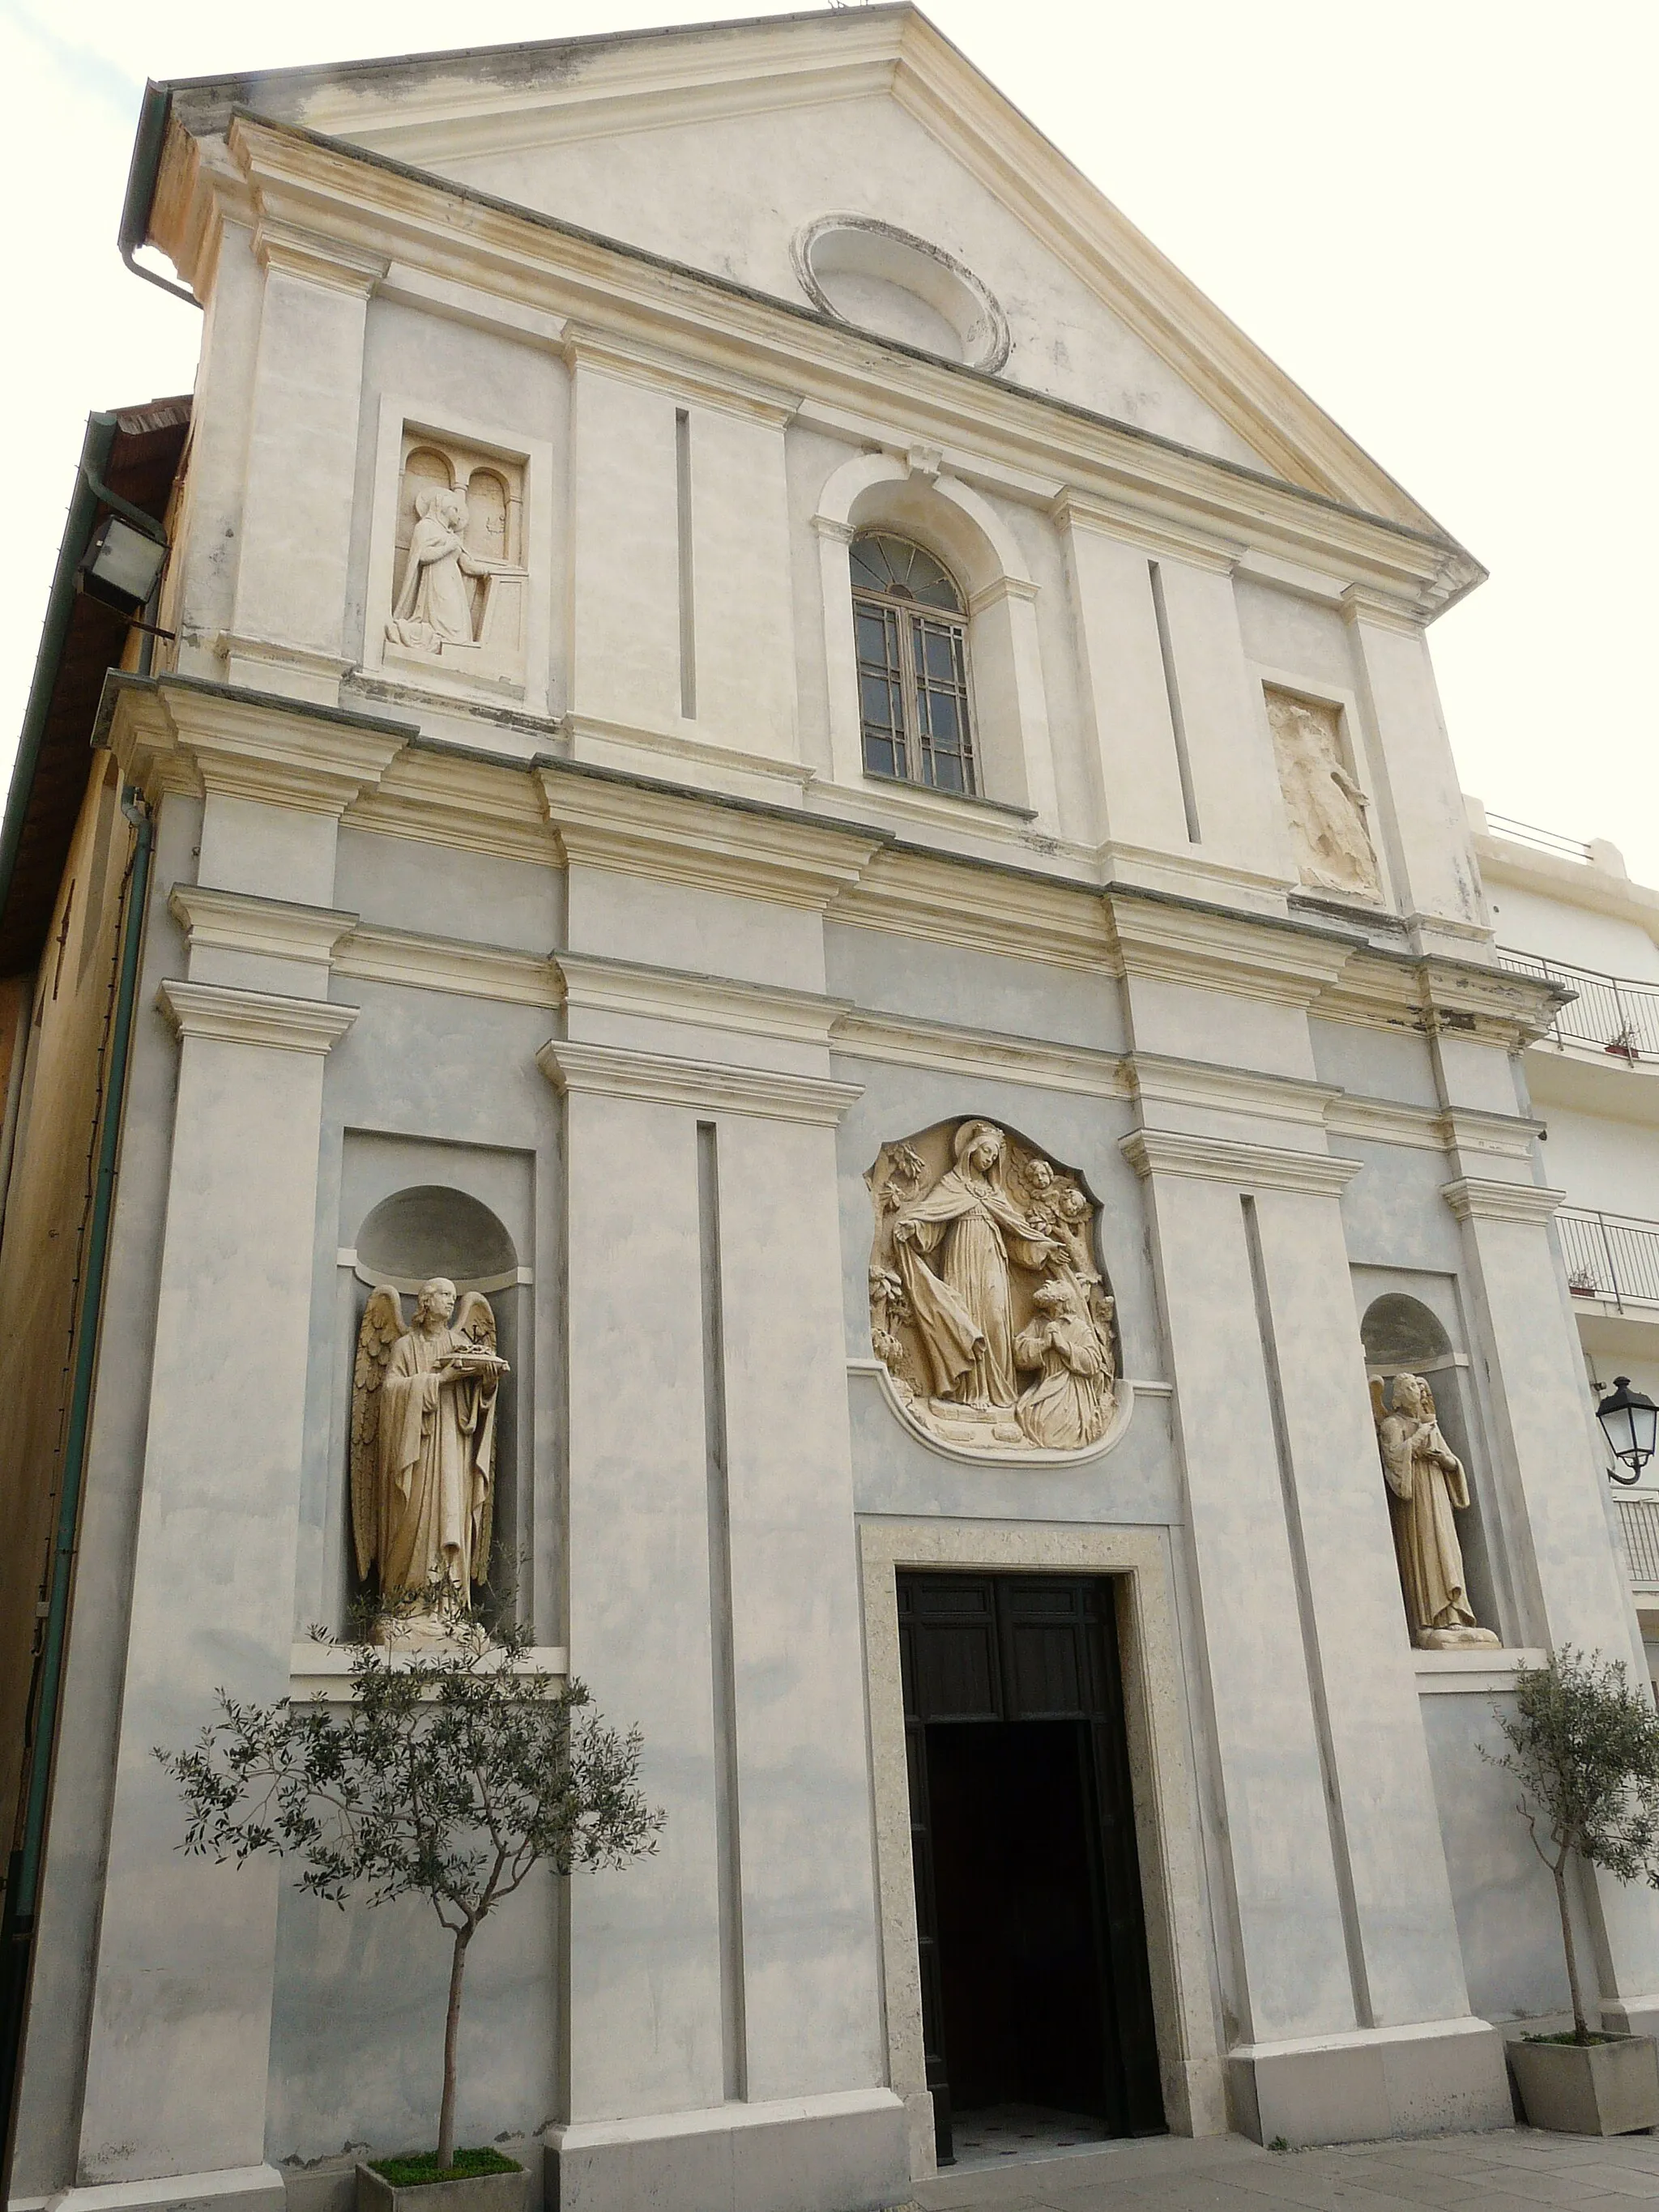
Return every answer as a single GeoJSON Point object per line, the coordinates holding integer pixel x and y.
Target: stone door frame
{"type": "Point", "coordinates": [1166, 1823]}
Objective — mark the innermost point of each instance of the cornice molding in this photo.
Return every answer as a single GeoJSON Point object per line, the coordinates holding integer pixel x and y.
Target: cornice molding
{"type": "Point", "coordinates": [1487, 1004]}
{"type": "Point", "coordinates": [658, 370]}
{"type": "Point", "coordinates": [420, 963]}
{"type": "Point", "coordinates": [238, 921]}
{"type": "Point", "coordinates": [315, 257]}
{"type": "Point", "coordinates": [951, 902]}
{"type": "Point", "coordinates": [1220, 1159]}
{"type": "Point", "coordinates": [1475, 1199]}
{"type": "Point", "coordinates": [230, 1015]}
{"type": "Point", "coordinates": [178, 735]}
{"type": "Point", "coordinates": [702, 1086]}
{"type": "Point", "coordinates": [700, 839]}
{"type": "Point", "coordinates": [978, 1055]}
{"type": "Point", "coordinates": [1247, 956]}
{"type": "Point", "coordinates": [375, 204]}
{"type": "Point", "coordinates": [593, 985]}
{"type": "Point", "coordinates": [1160, 1079]}
{"type": "Point", "coordinates": [1432, 1129]}
{"type": "Point", "coordinates": [1199, 549]}
{"type": "Point", "coordinates": [453, 799]}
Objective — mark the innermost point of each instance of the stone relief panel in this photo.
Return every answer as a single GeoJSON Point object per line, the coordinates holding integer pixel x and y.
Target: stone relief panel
{"type": "Point", "coordinates": [459, 578]}
{"type": "Point", "coordinates": [1323, 801]}
{"type": "Point", "coordinates": [1428, 1486]}
{"type": "Point", "coordinates": [988, 1308]}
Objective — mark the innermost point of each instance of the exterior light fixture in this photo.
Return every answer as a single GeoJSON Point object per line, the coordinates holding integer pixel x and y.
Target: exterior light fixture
{"type": "Point", "coordinates": [1628, 1422]}
{"type": "Point", "coordinates": [121, 564]}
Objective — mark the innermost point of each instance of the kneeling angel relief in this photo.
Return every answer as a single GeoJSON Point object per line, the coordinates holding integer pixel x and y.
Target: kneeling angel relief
{"type": "Point", "coordinates": [986, 1307]}
{"type": "Point", "coordinates": [423, 1452]}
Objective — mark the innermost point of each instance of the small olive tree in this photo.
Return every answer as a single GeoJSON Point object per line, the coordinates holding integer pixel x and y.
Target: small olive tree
{"type": "Point", "coordinates": [1584, 1746]}
{"type": "Point", "coordinates": [456, 1768]}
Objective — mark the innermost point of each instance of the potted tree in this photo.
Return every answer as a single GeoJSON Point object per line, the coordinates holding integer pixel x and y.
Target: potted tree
{"type": "Point", "coordinates": [456, 1768]}
{"type": "Point", "coordinates": [1584, 1746]}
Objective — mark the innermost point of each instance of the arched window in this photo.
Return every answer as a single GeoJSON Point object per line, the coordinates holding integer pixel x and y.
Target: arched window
{"type": "Point", "coordinates": [912, 639]}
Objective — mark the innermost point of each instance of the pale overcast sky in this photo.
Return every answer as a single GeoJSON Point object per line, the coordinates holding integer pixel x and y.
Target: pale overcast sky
{"type": "Point", "coordinates": [1439, 216]}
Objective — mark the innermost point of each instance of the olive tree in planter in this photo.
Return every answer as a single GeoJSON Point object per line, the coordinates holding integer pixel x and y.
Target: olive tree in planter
{"type": "Point", "coordinates": [1584, 1746]}
{"type": "Point", "coordinates": [456, 1768]}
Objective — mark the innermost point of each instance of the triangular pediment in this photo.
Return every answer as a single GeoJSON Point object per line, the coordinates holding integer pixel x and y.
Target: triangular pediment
{"type": "Point", "coordinates": [720, 147]}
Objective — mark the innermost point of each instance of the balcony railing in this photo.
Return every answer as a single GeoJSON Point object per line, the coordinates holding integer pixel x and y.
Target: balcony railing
{"type": "Point", "coordinates": [1611, 1012]}
{"type": "Point", "coordinates": [1611, 1256]}
{"type": "Point", "coordinates": [1638, 1525]}
{"type": "Point", "coordinates": [1541, 840]}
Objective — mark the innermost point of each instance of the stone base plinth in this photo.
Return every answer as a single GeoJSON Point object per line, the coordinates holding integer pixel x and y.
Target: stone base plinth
{"type": "Point", "coordinates": [1456, 1639]}
{"type": "Point", "coordinates": [1434, 2077]}
{"type": "Point", "coordinates": [847, 2152]}
{"type": "Point", "coordinates": [228, 2188]}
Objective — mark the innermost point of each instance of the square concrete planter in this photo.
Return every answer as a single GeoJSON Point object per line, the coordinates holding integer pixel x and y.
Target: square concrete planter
{"type": "Point", "coordinates": [1609, 2089]}
{"type": "Point", "coordinates": [478, 2192]}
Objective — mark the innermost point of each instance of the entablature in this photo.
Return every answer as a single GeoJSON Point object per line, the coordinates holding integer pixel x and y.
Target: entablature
{"type": "Point", "coordinates": [750, 349]}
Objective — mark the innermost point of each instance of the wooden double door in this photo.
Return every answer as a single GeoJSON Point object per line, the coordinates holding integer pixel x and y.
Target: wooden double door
{"type": "Point", "coordinates": [1032, 1941]}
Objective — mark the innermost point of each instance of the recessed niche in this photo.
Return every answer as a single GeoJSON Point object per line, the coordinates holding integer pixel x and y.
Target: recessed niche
{"type": "Point", "coordinates": [881, 279]}
{"type": "Point", "coordinates": [431, 1230]}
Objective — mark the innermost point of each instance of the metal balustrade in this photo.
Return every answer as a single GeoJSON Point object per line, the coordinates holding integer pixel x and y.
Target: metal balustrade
{"type": "Point", "coordinates": [1613, 1012]}
{"type": "Point", "coordinates": [1639, 1526]}
{"type": "Point", "coordinates": [1541, 840]}
{"type": "Point", "coordinates": [1610, 1256]}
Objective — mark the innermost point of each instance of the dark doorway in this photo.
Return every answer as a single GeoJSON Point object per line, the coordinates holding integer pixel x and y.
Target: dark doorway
{"type": "Point", "coordinates": [1033, 1949]}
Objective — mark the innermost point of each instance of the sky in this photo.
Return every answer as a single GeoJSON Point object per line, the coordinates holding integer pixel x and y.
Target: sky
{"type": "Point", "coordinates": [1439, 216]}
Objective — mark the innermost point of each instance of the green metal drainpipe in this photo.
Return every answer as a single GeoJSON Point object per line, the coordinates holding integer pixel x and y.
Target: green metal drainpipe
{"type": "Point", "coordinates": [23, 1874]}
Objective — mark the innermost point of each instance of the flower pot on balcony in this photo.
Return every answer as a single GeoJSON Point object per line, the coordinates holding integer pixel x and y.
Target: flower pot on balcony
{"type": "Point", "coordinates": [1608, 2088]}
{"type": "Point", "coordinates": [473, 2192]}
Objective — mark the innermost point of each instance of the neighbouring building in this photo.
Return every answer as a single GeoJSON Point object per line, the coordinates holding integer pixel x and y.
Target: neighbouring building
{"type": "Point", "coordinates": [1567, 911]}
{"type": "Point", "coordinates": [764, 744]}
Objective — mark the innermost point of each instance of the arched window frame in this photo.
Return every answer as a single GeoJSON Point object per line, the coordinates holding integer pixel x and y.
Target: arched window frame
{"type": "Point", "coordinates": [916, 704]}
{"type": "Point", "coordinates": [909, 497]}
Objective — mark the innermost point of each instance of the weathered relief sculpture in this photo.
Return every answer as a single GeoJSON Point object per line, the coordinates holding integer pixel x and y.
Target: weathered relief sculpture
{"type": "Point", "coordinates": [1427, 1485]}
{"type": "Point", "coordinates": [434, 607]}
{"type": "Point", "coordinates": [1325, 805]}
{"type": "Point", "coordinates": [424, 1448]}
{"type": "Point", "coordinates": [458, 582]}
{"type": "Point", "coordinates": [986, 1307]}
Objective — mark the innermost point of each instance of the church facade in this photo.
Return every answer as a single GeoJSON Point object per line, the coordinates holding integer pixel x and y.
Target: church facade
{"type": "Point", "coordinates": [768, 750]}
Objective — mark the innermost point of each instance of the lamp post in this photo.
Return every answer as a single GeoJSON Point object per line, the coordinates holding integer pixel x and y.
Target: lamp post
{"type": "Point", "coordinates": [1628, 1422]}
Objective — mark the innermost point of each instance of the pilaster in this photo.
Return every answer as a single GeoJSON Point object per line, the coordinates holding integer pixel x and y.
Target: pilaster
{"type": "Point", "coordinates": [178, 2053]}
{"type": "Point", "coordinates": [1347, 1965]}
{"type": "Point", "coordinates": [289, 615]}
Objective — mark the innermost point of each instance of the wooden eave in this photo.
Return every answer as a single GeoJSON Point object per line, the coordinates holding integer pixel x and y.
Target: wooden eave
{"type": "Point", "coordinates": [141, 465]}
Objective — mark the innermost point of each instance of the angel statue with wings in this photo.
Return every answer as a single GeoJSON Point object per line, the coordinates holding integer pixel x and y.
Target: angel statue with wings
{"type": "Point", "coordinates": [423, 1446]}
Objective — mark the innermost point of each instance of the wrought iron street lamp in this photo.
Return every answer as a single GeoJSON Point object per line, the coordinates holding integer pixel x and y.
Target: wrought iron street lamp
{"type": "Point", "coordinates": [1630, 1422]}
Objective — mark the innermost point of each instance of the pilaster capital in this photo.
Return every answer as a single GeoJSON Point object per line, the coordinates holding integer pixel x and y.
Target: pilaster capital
{"type": "Point", "coordinates": [180, 734]}
{"type": "Point", "coordinates": [240, 921]}
{"type": "Point", "coordinates": [1245, 1166]}
{"type": "Point", "coordinates": [1476, 1198]}
{"type": "Point", "coordinates": [291, 250]}
{"type": "Point", "coordinates": [1165, 535]}
{"type": "Point", "coordinates": [230, 1015]}
{"type": "Point", "coordinates": [706, 1086]}
{"type": "Point", "coordinates": [1361, 603]}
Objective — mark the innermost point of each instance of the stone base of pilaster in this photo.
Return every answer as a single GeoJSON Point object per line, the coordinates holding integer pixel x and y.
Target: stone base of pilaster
{"type": "Point", "coordinates": [847, 2152]}
{"type": "Point", "coordinates": [230, 2189]}
{"type": "Point", "coordinates": [1433, 2077]}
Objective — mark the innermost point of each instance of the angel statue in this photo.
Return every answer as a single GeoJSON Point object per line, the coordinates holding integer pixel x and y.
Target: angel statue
{"type": "Point", "coordinates": [423, 1445]}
